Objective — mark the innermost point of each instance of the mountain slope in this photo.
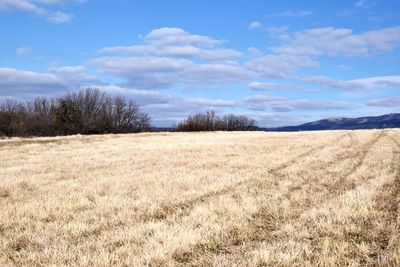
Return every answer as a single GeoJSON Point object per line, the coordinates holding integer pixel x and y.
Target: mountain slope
{"type": "Point", "coordinates": [385, 121]}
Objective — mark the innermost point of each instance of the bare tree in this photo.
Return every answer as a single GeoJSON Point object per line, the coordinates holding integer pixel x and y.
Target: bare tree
{"type": "Point", "coordinates": [88, 111]}
{"type": "Point", "coordinates": [40, 114]}
{"type": "Point", "coordinates": [81, 112]}
{"type": "Point", "coordinates": [211, 122]}
{"type": "Point", "coordinates": [12, 118]}
{"type": "Point", "coordinates": [126, 116]}
{"type": "Point", "coordinates": [238, 123]}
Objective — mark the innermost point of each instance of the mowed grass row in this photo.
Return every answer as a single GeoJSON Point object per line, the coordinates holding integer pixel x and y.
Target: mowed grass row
{"type": "Point", "coordinates": [202, 199]}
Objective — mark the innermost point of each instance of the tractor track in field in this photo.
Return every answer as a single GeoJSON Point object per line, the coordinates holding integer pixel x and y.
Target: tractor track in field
{"type": "Point", "coordinates": [262, 224]}
{"type": "Point", "coordinates": [388, 202]}
{"type": "Point", "coordinates": [392, 189]}
{"type": "Point", "coordinates": [183, 208]}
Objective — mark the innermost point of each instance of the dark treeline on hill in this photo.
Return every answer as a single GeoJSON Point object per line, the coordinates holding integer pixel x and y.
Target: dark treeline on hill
{"type": "Point", "coordinates": [91, 111]}
{"type": "Point", "coordinates": [212, 122]}
{"type": "Point", "coordinates": [88, 111]}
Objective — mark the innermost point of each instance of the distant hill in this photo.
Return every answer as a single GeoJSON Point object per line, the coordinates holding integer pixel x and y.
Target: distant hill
{"type": "Point", "coordinates": [385, 121]}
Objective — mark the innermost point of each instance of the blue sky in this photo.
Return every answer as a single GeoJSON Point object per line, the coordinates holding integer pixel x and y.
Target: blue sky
{"type": "Point", "coordinates": [279, 62]}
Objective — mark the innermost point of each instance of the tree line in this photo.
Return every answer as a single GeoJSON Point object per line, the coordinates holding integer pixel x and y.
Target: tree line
{"type": "Point", "coordinates": [88, 111]}
{"type": "Point", "coordinates": [91, 111]}
{"type": "Point", "coordinates": [209, 121]}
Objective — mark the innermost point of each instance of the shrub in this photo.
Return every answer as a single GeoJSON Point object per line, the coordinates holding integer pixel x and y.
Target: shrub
{"type": "Point", "coordinates": [211, 122]}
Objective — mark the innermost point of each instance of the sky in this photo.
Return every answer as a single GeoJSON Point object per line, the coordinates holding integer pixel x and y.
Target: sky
{"type": "Point", "coordinates": [279, 62]}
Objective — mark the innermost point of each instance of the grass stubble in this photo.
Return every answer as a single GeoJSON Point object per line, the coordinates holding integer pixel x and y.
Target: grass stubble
{"type": "Point", "coordinates": [202, 199]}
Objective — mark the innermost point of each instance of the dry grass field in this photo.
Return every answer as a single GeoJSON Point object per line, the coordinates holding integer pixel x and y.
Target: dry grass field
{"type": "Point", "coordinates": [202, 199]}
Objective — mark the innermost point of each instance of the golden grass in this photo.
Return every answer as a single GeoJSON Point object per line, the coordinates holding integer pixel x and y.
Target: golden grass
{"type": "Point", "coordinates": [202, 199]}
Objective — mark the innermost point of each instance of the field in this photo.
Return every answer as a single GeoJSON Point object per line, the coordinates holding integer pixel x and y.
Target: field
{"type": "Point", "coordinates": [202, 199]}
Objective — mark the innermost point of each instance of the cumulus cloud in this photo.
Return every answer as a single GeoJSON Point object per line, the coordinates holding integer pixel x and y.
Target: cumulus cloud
{"type": "Point", "coordinates": [176, 42]}
{"type": "Point", "coordinates": [153, 72]}
{"type": "Point", "coordinates": [333, 83]}
{"type": "Point", "coordinates": [73, 75]}
{"type": "Point", "coordinates": [280, 66]}
{"type": "Point", "coordinates": [265, 86]}
{"type": "Point", "coordinates": [379, 82]}
{"type": "Point", "coordinates": [299, 50]}
{"type": "Point", "coordinates": [13, 79]}
{"type": "Point", "coordinates": [144, 72]}
{"type": "Point", "coordinates": [272, 119]}
{"type": "Point", "coordinates": [23, 5]}
{"type": "Point", "coordinates": [291, 13]}
{"type": "Point", "coordinates": [281, 104]}
{"type": "Point", "coordinates": [216, 73]}
{"type": "Point", "coordinates": [392, 102]}
{"type": "Point", "coordinates": [23, 51]}
{"type": "Point", "coordinates": [42, 8]}
{"type": "Point", "coordinates": [280, 33]}
{"type": "Point", "coordinates": [59, 17]}
{"type": "Point", "coordinates": [173, 55]}
{"type": "Point", "coordinates": [255, 25]}
{"type": "Point", "coordinates": [126, 66]}
{"type": "Point", "coordinates": [364, 4]}
{"type": "Point", "coordinates": [20, 82]}
{"type": "Point", "coordinates": [307, 104]}
{"type": "Point", "coordinates": [178, 36]}
{"type": "Point", "coordinates": [368, 83]}
{"type": "Point", "coordinates": [58, 2]}
{"type": "Point", "coordinates": [339, 41]}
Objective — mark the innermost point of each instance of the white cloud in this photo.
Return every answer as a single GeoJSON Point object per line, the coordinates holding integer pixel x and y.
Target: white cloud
{"type": "Point", "coordinates": [272, 119]}
{"type": "Point", "coordinates": [393, 101]}
{"type": "Point", "coordinates": [307, 104]}
{"type": "Point", "coordinates": [280, 33]}
{"type": "Point", "coordinates": [216, 73]}
{"type": "Point", "coordinates": [59, 17]}
{"type": "Point", "coordinates": [156, 72]}
{"type": "Point", "coordinates": [178, 36]}
{"type": "Point", "coordinates": [265, 86]}
{"type": "Point", "coordinates": [379, 82]}
{"type": "Point", "coordinates": [176, 51]}
{"type": "Point", "coordinates": [176, 42]}
{"type": "Point", "coordinates": [19, 79]}
{"type": "Point", "coordinates": [14, 81]}
{"type": "Point", "coordinates": [254, 52]}
{"type": "Point", "coordinates": [23, 51]}
{"type": "Point", "coordinates": [255, 25]}
{"type": "Point", "coordinates": [341, 41]}
{"type": "Point", "coordinates": [73, 75]}
{"type": "Point", "coordinates": [280, 66]}
{"type": "Point", "coordinates": [172, 55]}
{"type": "Point", "coordinates": [281, 104]}
{"type": "Point", "coordinates": [368, 83]}
{"type": "Point", "coordinates": [364, 4]}
{"type": "Point", "coordinates": [332, 83]}
{"type": "Point", "coordinates": [292, 13]}
{"type": "Point", "coordinates": [144, 72]}
{"type": "Point", "coordinates": [42, 8]}
{"type": "Point", "coordinates": [136, 66]}
{"type": "Point", "coordinates": [23, 5]}
{"type": "Point", "coordinates": [57, 2]}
